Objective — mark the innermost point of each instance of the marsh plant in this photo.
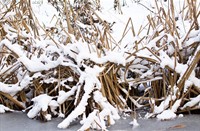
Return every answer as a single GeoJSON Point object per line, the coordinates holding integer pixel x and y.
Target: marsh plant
{"type": "Point", "coordinates": [63, 59]}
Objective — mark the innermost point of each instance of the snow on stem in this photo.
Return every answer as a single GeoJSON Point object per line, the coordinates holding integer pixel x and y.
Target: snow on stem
{"type": "Point", "coordinates": [89, 85]}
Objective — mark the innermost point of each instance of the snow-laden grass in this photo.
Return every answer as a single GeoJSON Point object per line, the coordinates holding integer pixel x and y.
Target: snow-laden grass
{"type": "Point", "coordinates": [94, 59]}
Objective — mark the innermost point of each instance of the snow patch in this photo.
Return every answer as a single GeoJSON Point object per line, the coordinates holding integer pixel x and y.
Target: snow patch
{"type": "Point", "coordinates": [3, 109]}
{"type": "Point", "coordinates": [41, 103]}
{"type": "Point", "coordinates": [166, 115]}
{"type": "Point", "coordinates": [134, 123]}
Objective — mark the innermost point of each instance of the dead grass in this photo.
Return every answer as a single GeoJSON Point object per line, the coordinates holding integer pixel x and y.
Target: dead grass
{"type": "Point", "coordinates": [118, 92]}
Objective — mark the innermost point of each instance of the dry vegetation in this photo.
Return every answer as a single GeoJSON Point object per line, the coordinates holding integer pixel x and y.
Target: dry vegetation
{"type": "Point", "coordinates": [163, 82]}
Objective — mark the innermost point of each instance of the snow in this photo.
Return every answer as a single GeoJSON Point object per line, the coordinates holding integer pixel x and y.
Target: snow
{"type": "Point", "coordinates": [115, 57]}
{"type": "Point", "coordinates": [169, 114]}
{"type": "Point", "coordinates": [180, 115]}
{"type": "Point", "coordinates": [61, 115]}
{"type": "Point", "coordinates": [98, 97]}
{"type": "Point", "coordinates": [166, 115]}
{"type": "Point", "coordinates": [92, 121]}
{"type": "Point", "coordinates": [164, 105]}
{"type": "Point", "coordinates": [3, 109]}
{"type": "Point", "coordinates": [41, 103]}
{"type": "Point", "coordinates": [63, 96]}
{"type": "Point", "coordinates": [134, 123]}
{"type": "Point", "coordinates": [45, 13]}
{"type": "Point", "coordinates": [192, 102]}
{"type": "Point", "coordinates": [48, 117]}
{"type": "Point", "coordinates": [12, 89]}
{"type": "Point", "coordinates": [53, 106]}
{"type": "Point", "coordinates": [90, 82]}
{"type": "Point", "coordinates": [47, 52]}
{"type": "Point", "coordinates": [176, 105]}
